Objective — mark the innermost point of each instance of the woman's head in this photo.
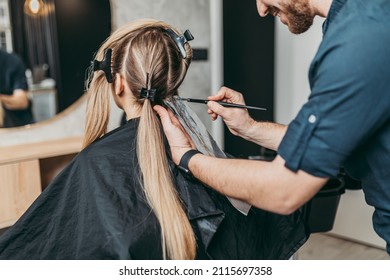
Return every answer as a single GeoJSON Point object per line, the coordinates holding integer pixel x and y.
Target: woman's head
{"type": "Point", "coordinates": [144, 55]}
{"type": "Point", "coordinates": [147, 56]}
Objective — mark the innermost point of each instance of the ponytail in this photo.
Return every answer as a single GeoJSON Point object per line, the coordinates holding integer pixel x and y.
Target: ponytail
{"type": "Point", "coordinates": [178, 240]}
{"type": "Point", "coordinates": [98, 110]}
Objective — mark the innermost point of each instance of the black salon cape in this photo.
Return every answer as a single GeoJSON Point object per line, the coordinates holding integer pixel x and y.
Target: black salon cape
{"type": "Point", "coordinates": [96, 209]}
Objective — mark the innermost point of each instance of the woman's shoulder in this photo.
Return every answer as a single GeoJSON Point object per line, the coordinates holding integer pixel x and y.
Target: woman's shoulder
{"type": "Point", "coordinates": [119, 141]}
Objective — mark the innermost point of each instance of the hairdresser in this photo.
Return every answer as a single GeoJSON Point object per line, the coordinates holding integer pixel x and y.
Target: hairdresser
{"type": "Point", "coordinates": [345, 122]}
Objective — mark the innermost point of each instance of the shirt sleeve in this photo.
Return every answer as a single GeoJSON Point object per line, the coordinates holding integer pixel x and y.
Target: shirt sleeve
{"type": "Point", "coordinates": [349, 102]}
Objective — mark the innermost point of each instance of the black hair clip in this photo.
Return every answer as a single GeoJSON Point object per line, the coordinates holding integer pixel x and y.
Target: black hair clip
{"type": "Point", "coordinates": [148, 94]}
{"type": "Point", "coordinates": [104, 65]}
{"type": "Point", "coordinates": [180, 40]}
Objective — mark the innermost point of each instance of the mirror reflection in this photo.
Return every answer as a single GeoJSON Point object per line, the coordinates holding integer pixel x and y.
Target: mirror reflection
{"type": "Point", "coordinates": [55, 41]}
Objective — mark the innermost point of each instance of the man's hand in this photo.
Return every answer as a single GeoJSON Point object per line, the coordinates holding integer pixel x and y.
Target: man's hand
{"type": "Point", "coordinates": [179, 141]}
{"type": "Point", "coordinates": [237, 120]}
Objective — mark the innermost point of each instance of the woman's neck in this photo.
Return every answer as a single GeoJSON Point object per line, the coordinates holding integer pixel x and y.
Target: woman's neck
{"type": "Point", "coordinates": [132, 112]}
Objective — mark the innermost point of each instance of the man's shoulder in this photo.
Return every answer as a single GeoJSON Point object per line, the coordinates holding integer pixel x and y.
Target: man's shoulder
{"type": "Point", "coordinates": [10, 62]}
{"type": "Point", "coordinates": [355, 38]}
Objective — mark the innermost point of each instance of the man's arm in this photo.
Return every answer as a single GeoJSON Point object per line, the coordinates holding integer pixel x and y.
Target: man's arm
{"type": "Point", "coordinates": [267, 185]}
{"type": "Point", "coordinates": [265, 134]}
{"type": "Point", "coordinates": [17, 101]}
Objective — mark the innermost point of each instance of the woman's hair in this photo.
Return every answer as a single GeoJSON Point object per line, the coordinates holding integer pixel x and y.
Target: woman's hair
{"type": "Point", "coordinates": [147, 57]}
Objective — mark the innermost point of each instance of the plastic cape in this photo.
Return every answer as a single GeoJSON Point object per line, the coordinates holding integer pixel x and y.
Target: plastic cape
{"type": "Point", "coordinates": [95, 209]}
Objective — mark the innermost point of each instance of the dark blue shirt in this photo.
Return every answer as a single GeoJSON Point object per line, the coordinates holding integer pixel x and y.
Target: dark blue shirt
{"type": "Point", "coordinates": [12, 73]}
{"type": "Point", "coordinates": [346, 121]}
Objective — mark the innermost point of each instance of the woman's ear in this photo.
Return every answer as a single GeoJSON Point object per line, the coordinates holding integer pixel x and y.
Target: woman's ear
{"type": "Point", "coordinates": [119, 84]}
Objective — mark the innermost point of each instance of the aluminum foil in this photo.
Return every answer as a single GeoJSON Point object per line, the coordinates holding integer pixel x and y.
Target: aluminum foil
{"type": "Point", "coordinates": [202, 139]}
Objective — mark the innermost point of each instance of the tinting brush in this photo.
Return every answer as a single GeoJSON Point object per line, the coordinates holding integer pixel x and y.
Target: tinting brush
{"type": "Point", "coordinates": [225, 104]}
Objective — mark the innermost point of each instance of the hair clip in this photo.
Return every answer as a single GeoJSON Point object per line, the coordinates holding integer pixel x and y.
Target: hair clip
{"type": "Point", "coordinates": [104, 65]}
{"type": "Point", "coordinates": [180, 40]}
{"type": "Point", "coordinates": [148, 94]}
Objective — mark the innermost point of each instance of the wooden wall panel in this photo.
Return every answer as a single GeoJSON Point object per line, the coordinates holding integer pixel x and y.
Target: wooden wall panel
{"type": "Point", "coordinates": [20, 185]}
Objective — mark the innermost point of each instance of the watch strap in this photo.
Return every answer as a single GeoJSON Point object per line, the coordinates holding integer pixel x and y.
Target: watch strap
{"type": "Point", "coordinates": [185, 159]}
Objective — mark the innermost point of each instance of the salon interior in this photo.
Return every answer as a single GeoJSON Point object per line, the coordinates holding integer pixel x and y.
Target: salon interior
{"type": "Point", "coordinates": [233, 46]}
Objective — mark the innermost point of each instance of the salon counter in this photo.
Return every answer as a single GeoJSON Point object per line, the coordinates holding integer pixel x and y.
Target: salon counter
{"type": "Point", "coordinates": [25, 170]}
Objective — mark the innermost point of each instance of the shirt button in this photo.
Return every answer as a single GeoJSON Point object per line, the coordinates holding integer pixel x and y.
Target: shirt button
{"type": "Point", "coordinates": [312, 119]}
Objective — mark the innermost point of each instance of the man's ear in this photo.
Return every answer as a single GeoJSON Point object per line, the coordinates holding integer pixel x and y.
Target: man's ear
{"type": "Point", "coordinates": [119, 84]}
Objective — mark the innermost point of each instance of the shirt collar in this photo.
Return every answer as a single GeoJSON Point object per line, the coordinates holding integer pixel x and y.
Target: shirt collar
{"type": "Point", "coordinates": [333, 12]}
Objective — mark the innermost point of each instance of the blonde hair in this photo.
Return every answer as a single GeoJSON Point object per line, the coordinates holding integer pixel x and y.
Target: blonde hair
{"type": "Point", "coordinates": [143, 52]}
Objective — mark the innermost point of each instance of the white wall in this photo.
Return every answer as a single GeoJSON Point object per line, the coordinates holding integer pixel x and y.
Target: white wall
{"type": "Point", "coordinates": [216, 62]}
{"type": "Point", "coordinates": [293, 55]}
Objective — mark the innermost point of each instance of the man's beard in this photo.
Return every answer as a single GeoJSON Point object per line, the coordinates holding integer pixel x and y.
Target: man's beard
{"type": "Point", "coordinates": [299, 16]}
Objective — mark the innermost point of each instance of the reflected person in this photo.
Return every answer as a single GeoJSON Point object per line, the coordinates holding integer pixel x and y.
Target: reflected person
{"type": "Point", "coordinates": [16, 105]}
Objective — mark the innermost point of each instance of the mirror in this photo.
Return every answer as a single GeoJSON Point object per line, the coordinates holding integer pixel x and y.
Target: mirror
{"type": "Point", "coordinates": [56, 40]}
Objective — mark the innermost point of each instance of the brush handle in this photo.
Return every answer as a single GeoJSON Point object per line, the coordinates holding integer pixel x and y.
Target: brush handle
{"type": "Point", "coordinates": [225, 104]}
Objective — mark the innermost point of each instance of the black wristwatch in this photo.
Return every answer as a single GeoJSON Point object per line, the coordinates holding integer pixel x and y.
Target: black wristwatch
{"type": "Point", "coordinates": [185, 159]}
